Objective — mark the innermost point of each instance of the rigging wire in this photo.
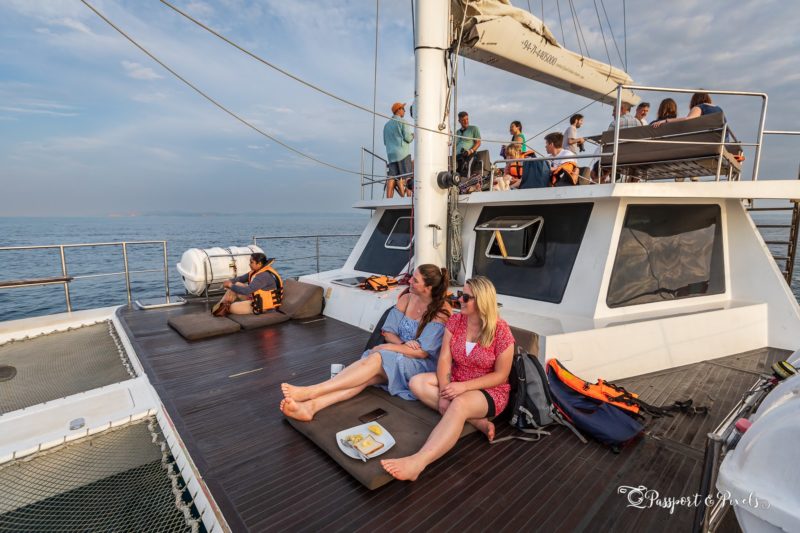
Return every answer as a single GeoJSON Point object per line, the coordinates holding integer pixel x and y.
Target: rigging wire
{"type": "Point", "coordinates": [375, 82]}
{"type": "Point", "coordinates": [602, 32]}
{"type": "Point", "coordinates": [625, 31]}
{"type": "Point", "coordinates": [613, 38]}
{"type": "Point", "coordinates": [561, 23]}
{"type": "Point", "coordinates": [301, 80]}
{"type": "Point", "coordinates": [215, 102]}
{"type": "Point", "coordinates": [575, 23]}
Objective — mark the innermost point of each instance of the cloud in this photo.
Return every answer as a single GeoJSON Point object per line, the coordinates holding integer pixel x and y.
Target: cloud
{"type": "Point", "coordinates": [139, 72]}
{"type": "Point", "coordinates": [149, 98]}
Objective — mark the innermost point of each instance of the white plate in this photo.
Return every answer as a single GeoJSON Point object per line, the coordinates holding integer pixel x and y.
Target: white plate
{"type": "Point", "coordinates": [385, 437]}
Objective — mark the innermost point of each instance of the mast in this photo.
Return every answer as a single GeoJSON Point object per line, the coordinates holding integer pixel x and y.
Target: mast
{"type": "Point", "coordinates": [430, 149]}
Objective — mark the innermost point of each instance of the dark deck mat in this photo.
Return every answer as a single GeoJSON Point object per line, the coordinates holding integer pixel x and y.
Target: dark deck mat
{"type": "Point", "coordinates": [198, 326]}
{"type": "Point", "coordinates": [259, 321]}
{"type": "Point", "coordinates": [409, 422]}
{"type": "Point", "coordinates": [301, 300]}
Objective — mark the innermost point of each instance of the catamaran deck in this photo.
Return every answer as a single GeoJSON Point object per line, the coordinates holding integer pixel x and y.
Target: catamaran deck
{"type": "Point", "coordinates": [223, 395]}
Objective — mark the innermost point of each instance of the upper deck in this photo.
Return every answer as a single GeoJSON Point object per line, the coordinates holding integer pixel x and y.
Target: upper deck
{"type": "Point", "coordinates": [222, 395]}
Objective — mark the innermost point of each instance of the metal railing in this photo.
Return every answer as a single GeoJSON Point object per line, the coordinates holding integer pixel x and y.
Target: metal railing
{"type": "Point", "coordinates": [369, 179]}
{"type": "Point", "coordinates": [317, 256]}
{"type": "Point", "coordinates": [66, 278]}
{"type": "Point", "coordinates": [757, 144]}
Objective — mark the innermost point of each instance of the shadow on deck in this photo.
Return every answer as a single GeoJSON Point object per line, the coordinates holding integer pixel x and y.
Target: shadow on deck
{"type": "Point", "coordinates": [223, 396]}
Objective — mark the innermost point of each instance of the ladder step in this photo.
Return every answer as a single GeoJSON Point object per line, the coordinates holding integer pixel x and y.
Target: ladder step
{"type": "Point", "coordinates": [770, 209]}
{"type": "Point", "coordinates": [785, 243]}
{"type": "Point", "coordinates": [773, 225]}
{"type": "Point", "coordinates": [780, 258]}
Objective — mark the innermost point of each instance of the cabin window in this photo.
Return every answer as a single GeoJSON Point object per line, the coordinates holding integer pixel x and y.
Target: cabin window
{"type": "Point", "coordinates": [400, 237]}
{"type": "Point", "coordinates": [540, 255]}
{"type": "Point", "coordinates": [377, 258]}
{"type": "Point", "coordinates": [513, 238]}
{"type": "Point", "coordinates": [667, 252]}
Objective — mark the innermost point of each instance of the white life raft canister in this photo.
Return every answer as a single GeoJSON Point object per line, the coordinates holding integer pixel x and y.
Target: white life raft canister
{"type": "Point", "coordinates": [202, 269]}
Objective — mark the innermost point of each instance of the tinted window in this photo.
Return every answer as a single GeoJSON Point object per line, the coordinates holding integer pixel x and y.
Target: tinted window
{"type": "Point", "coordinates": [667, 252]}
{"type": "Point", "coordinates": [376, 258]}
{"type": "Point", "coordinates": [544, 275]}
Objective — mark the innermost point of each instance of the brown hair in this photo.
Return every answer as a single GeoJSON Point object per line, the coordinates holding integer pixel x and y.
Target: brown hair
{"type": "Point", "coordinates": [555, 138]}
{"type": "Point", "coordinates": [699, 98]}
{"type": "Point", "coordinates": [668, 108]}
{"type": "Point", "coordinates": [438, 280]}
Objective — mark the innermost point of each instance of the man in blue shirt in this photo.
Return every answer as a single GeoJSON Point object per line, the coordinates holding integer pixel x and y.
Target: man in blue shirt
{"type": "Point", "coordinates": [468, 140]}
{"type": "Point", "coordinates": [397, 137]}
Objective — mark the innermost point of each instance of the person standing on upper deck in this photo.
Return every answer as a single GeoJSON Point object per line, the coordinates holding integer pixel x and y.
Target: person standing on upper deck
{"type": "Point", "coordinates": [397, 137]}
{"type": "Point", "coordinates": [571, 139]}
{"type": "Point", "coordinates": [468, 140]}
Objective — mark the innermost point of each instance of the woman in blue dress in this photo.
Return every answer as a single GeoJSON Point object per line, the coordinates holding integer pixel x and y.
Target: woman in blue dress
{"type": "Point", "coordinates": [413, 330]}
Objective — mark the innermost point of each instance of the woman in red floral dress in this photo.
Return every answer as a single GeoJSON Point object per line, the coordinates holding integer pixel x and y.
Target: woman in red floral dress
{"type": "Point", "coordinates": [471, 379]}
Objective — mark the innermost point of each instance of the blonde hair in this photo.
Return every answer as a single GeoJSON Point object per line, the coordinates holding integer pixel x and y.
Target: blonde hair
{"type": "Point", "coordinates": [486, 301]}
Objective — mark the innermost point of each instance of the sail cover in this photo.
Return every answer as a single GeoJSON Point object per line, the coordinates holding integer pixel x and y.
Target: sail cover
{"type": "Point", "coordinates": [511, 39]}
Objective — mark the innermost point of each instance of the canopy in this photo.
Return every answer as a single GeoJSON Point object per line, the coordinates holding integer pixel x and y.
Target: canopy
{"type": "Point", "coordinates": [512, 39]}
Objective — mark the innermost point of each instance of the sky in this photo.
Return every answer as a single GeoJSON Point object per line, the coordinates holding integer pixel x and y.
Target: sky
{"type": "Point", "coordinates": [90, 126]}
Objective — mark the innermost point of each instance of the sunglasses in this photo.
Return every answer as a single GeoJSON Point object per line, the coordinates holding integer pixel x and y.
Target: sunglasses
{"type": "Point", "coordinates": [463, 297]}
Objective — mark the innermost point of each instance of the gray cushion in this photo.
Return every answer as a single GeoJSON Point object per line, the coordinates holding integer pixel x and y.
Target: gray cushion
{"type": "Point", "coordinates": [527, 340]}
{"type": "Point", "coordinates": [409, 422]}
{"type": "Point", "coordinates": [202, 325]}
{"type": "Point", "coordinates": [301, 300]}
{"type": "Point", "coordinates": [258, 321]}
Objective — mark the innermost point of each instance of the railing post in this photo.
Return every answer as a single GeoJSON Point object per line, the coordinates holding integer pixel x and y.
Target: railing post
{"type": "Point", "coordinates": [317, 254]}
{"type": "Point", "coordinates": [166, 271]}
{"type": "Point", "coordinates": [616, 134]}
{"type": "Point", "coordinates": [757, 157]}
{"type": "Point", "coordinates": [64, 274]}
{"type": "Point", "coordinates": [127, 272]}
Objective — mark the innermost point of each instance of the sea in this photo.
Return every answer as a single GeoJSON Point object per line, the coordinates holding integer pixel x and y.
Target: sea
{"type": "Point", "coordinates": [99, 271]}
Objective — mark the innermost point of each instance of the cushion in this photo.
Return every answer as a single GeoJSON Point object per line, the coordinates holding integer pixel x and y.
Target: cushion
{"type": "Point", "coordinates": [301, 300]}
{"type": "Point", "coordinates": [409, 422]}
{"type": "Point", "coordinates": [258, 321]}
{"type": "Point", "coordinates": [527, 340]}
{"type": "Point", "coordinates": [197, 326]}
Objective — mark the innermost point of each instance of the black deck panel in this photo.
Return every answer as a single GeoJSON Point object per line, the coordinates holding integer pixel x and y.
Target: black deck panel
{"type": "Point", "coordinates": [265, 476]}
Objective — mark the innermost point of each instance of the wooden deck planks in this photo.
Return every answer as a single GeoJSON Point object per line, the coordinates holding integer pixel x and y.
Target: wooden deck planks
{"type": "Point", "coordinates": [266, 476]}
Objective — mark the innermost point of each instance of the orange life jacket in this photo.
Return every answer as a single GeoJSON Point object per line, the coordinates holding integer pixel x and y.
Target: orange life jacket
{"type": "Point", "coordinates": [515, 170]}
{"type": "Point", "coordinates": [567, 171]}
{"type": "Point", "coordinates": [378, 283]}
{"type": "Point", "coordinates": [602, 390]}
{"type": "Point", "coordinates": [265, 300]}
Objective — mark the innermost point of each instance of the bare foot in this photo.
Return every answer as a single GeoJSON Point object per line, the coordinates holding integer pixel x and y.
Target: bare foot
{"type": "Point", "coordinates": [484, 426]}
{"type": "Point", "coordinates": [404, 468]}
{"type": "Point", "coordinates": [294, 392]}
{"type": "Point", "coordinates": [298, 410]}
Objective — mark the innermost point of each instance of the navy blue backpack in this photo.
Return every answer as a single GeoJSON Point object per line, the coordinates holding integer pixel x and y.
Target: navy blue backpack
{"type": "Point", "coordinates": [602, 421]}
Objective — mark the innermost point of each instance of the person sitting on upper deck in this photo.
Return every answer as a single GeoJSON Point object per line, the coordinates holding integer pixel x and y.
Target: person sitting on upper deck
{"type": "Point", "coordinates": [625, 120]}
{"type": "Point", "coordinates": [255, 292]}
{"type": "Point", "coordinates": [471, 379]}
{"type": "Point", "coordinates": [468, 141]}
{"type": "Point", "coordinates": [414, 329]}
{"type": "Point", "coordinates": [563, 171]}
{"type": "Point", "coordinates": [699, 105]}
{"type": "Point", "coordinates": [641, 113]}
{"type": "Point", "coordinates": [667, 109]}
{"type": "Point", "coordinates": [512, 175]}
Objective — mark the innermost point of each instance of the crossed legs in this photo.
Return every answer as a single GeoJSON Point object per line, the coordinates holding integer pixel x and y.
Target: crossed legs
{"type": "Point", "coordinates": [302, 403]}
{"type": "Point", "coordinates": [470, 406]}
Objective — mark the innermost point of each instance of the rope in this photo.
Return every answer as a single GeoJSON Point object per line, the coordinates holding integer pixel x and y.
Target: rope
{"type": "Point", "coordinates": [216, 103]}
{"type": "Point", "coordinates": [625, 30]}
{"type": "Point", "coordinates": [375, 82]}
